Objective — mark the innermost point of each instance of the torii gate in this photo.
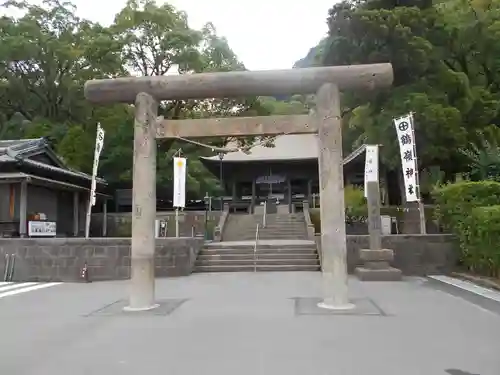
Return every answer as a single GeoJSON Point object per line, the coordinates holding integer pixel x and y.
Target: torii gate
{"type": "Point", "coordinates": [326, 82]}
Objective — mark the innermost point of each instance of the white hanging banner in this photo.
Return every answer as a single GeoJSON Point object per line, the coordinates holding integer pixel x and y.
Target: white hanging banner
{"type": "Point", "coordinates": [371, 165]}
{"type": "Point", "coordinates": [407, 149]}
{"type": "Point", "coordinates": [179, 182]}
{"type": "Point", "coordinates": [99, 143]}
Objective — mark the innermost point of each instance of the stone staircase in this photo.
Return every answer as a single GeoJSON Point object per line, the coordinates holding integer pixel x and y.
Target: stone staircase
{"type": "Point", "coordinates": [229, 257]}
{"type": "Point", "coordinates": [282, 246]}
{"type": "Point", "coordinates": [278, 227]}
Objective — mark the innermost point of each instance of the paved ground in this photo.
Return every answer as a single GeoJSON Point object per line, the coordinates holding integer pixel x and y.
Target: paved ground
{"type": "Point", "coordinates": [239, 324]}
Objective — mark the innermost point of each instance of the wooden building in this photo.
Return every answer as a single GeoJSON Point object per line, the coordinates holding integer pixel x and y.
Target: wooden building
{"type": "Point", "coordinates": [39, 194]}
{"type": "Point", "coordinates": [287, 172]}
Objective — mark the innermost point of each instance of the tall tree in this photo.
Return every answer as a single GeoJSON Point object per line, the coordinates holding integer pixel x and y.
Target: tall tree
{"type": "Point", "coordinates": [450, 103]}
{"type": "Point", "coordinates": [46, 56]}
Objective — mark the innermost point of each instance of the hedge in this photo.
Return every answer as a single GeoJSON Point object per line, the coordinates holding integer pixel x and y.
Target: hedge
{"type": "Point", "coordinates": [480, 241]}
{"type": "Point", "coordinates": [392, 211]}
{"type": "Point", "coordinates": [456, 201]}
{"type": "Point", "coordinates": [471, 210]}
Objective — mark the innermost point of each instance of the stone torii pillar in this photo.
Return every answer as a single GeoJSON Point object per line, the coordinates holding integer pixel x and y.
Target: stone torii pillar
{"type": "Point", "coordinates": [326, 82]}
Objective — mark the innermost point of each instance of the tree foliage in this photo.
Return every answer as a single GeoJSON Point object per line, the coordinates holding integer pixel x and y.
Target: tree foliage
{"type": "Point", "coordinates": [48, 53]}
{"type": "Point", "coordinates": [445, 57]}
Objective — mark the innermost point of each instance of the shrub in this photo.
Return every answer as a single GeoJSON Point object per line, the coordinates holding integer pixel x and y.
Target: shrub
{"type": "Point", "coordinates": [456, 201]}
{"type": "Point", "coordinates": [479, 240]}
{"type": "Point", "coordinates": [356, 209]}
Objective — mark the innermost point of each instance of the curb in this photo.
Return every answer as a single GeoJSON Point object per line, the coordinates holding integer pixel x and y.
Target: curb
{"type": "Point", "coordinates": [488, 299]}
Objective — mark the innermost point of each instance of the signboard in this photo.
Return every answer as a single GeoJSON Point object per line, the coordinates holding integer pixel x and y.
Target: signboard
{"type": "Point", "coordinates": [371, 165]}
{"type": "Point", "coordinates": [179, 182]}
{"type": "Point", "coordinates": [273, 179]}
{"type": "Point", "coordinates": [42, 228]}
{"type": "Point", "coordinates": [161, 228]}
{"type": "Point", "coordinates": [407, 149]}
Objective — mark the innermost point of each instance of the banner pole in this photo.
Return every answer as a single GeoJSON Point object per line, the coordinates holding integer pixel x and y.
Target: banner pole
{"type": "Point", "coordinates": [99, 142]}
{"type": "Point", "coordinates": [177, 222]}
{"type": "Point", "coordinates": [420, 205]}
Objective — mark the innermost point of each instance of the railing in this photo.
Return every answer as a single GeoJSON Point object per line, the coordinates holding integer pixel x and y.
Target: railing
{"type": "Point", "coordinates": [10, 263]}
{"type": "Point", "coordinates": [264, 217]}
{"type": "Point", "coordinates": [255, 248]}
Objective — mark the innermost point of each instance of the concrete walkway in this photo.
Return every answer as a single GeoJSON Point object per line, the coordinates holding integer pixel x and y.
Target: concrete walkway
{"type": "Point", "coordinates": [247, 324]}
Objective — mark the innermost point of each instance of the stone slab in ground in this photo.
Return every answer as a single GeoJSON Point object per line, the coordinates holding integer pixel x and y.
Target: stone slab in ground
{"type": "Point", "coordinates": [246, 323]}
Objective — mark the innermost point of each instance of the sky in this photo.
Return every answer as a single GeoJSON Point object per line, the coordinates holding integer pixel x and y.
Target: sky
{"type": "Point", "coordinates": [268, 34]}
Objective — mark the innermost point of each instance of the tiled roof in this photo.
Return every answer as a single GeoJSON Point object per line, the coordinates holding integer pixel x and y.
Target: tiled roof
{"type": "Point", "coordinates": [286, 147]}
{"type": "Point", "coordinates": [12, 151]}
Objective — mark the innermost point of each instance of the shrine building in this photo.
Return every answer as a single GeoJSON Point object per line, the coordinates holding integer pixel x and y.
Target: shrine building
{"type": "Point", "coordinates": [286, 173]}
{"type": "Point", "coordinates": [40, 196]}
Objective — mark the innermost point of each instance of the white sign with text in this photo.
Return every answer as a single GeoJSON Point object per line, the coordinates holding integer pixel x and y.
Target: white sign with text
{"type": "Point", "coordinates": [406, 135]}
{"type": "Point", "coordinates": [371, 165]}
{"type": "Point", "coordinates": [42, 228]}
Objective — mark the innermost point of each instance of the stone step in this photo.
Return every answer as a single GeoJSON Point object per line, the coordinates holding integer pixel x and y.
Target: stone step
{"type": "Point", "coordinates": [271, 239]}
{"type": "Point", "coordinates": [275, 246]}
{"type": "Point", "coordinates": [252, 226]}
{"type": "Point", "coordinates": [270, 236]}
{"type": "Point", "coordinates": [248, 233]}
{"type": "Point", "coordinates": [250, 251]}
{"type": "Point", "coordinates": [260, 256]}
{"type": "Point", "coordinates": [265, 238]}
{"type": "Point", "coordinates": [258, 262]}
{"type": "Point", "coordinates": [268, 219]}
{"type": "Point", "coordinates": [269, 230]}
{"type": "Point", "coordinates": [274, 221]}
{"type": "Point", "coordinates": [387, 274]}
{"type": "Point", "coordinates": [257, 268]}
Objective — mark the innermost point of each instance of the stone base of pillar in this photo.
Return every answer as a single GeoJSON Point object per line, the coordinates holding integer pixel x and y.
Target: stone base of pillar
{"type": "Point", "coordinates": [376, 266]}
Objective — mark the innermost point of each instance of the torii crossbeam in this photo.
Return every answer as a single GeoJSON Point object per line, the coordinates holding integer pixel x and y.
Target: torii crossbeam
{"type": "Point", "coordinates": [326, 82]}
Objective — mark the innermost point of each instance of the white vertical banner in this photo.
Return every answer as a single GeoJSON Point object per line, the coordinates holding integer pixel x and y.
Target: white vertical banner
{"type": "Point", "coordinates": [99, 143]}
{"type": "Point", "coordinates": [407, 149]}
{"type": "Point", "coordinates": [371, 165]}
{"type": "Point", "coordinates": [179, 182]}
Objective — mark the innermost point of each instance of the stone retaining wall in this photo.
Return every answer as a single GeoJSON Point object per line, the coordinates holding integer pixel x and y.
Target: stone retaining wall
{"type": "Point", "coordinates": [414, 254]}
{"type": "Point", "coordinates": [61, 259]}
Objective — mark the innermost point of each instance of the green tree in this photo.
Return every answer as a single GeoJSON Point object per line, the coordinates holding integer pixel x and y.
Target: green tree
{"type": "Point", "coordinates": [425, 47]}
{"type": "Point", "coordinates": [76, 148]}
{"type": "Point", "coordinates": [48, 53]}
{"type": "Point", "coordinates": [46, 56]}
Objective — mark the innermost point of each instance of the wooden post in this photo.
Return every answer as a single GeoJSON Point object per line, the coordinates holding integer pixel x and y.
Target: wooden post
{"type": "Point", "coordinates": [142, 286]}
{"type": "Point", "coordinates": [421, 215]}
{"type": "Point", "coordinates": [23, 208]}
{"type": "Point", "coordinates": [309, 192]}
{"type": "Point", "coordinates": [254, 193]}
{"type": "Point", "coordinates": [374, 220]}
{"type": "Point", "coordinates": [76, 213]}
{"type": "Point", "coordinates": [234, 193]}
{"type": "Point", "coordinates": [331, 179]}
{"type": "Point", "coordinates": [105, 217]}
